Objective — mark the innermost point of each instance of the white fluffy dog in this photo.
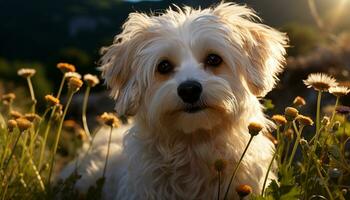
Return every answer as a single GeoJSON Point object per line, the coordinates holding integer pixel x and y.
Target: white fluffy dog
{"type": "Point", "coordinates": [191, 79]}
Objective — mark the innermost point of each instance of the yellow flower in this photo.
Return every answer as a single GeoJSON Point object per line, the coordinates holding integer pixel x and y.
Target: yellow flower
{"type": "Point", "coordinates": [291, 113]}
{"type": "Point", "coordinates": [280, 120]}
{"type": "Point", "coordinates": [243, 190]}
{"type": "Point", "coordinates": [320, 81]}
{"type": "Point", "coordinates": [26, 72]}
{"type": "Point", "coordinates": [110, 119]}
{"type": "Point", "coordinates": [15, 114]}
{"type": "Point", "coordinates": [254, 128]}
{"type": "Point", "coordinates": [339, 91]}
{"type": "Point", "coordinates": [51, 100]}
{"type": "Point", "coordinates": [66, 67]}
{"type": "Point", "coordinates": [74, 84]}
{"type": "Point", "coordinates": [299, 101]}
{"type": "Point", "coordinates": [23, 124]}
{"type": "Point", "coordinates": [11, 124]}
{"type": "Point", "coordinates": [91, 80]}
{"type": "Point", "coordinates": [304, 120]}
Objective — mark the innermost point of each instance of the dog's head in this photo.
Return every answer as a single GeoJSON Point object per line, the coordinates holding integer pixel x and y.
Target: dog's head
{"type": "Point", "coordinates": [192, 69]}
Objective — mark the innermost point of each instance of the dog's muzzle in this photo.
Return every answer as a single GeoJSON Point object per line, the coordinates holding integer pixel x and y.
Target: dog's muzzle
{"type": "Point", "coordinates": [189, 91]}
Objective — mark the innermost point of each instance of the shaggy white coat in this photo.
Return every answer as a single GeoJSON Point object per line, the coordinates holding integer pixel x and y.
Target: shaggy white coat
{"type": "Point", "coordinates": [166, 153]}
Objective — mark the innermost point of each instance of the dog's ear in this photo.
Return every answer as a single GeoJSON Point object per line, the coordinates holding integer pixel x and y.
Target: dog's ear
{"type": "Point", "coordinates": [264, 46]}
{"type": "Point", "coordinates": [119, 66]}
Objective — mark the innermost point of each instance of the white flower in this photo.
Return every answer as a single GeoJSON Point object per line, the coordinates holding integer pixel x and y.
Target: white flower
{"type": "Point", "coordinates": [69, 75]}
{"type": "Point", "coordinates": [339, 91]}
{"type": "Point", "coordinates": [320, 81]}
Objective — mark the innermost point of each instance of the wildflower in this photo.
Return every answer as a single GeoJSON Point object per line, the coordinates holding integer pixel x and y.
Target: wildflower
{"type": "Point", "coordinates": [325, 121]}
{"type": "Point", "coordinates": [291, 113]}
{"type": "Point", "coordinates": [243, 190]}
{"type": "Point", "coordinates": [343, 110]}
{"type": "Point", "coordinates": [336, 126]}
{"type": "Point", "coordinates": [26, 72]}
{"type": "Point", "coordinates": [11, 124]}
{"type": "Point", "coordinates": [220, 165]}
{"type": "Point", "coordinates": [280, 120]}
{"type": "Point", "coordinates": [70, 75]}
{"type": "Point", "coordinates": [320, 81]}
{"type": "Point", "coordinates": [15, 114]}
{"type": "Point", "coordinates": [51, 100]}
{"type": "Point", "coordinates": [8, 97]}
{"type": "Point", "coordinates": [254, 128]}
{"type": "Point", "coordinates": [299, 101]}
{"type": "Point", "coordinates": [32, 116]}
{"type": "Point", "coordinates": [109, 119]}
{"type": "Point", "coordinates": [339, 91]}
{"type": "Point", "coordinates": [23, 124]}
{"type": "Point", "coordinates": [74, 84]}
{"type": "Point", "coordinates": [304, 120]}
{"type": "Point", "coordinates": [66, 67]}
{"type": "Point", "coordinates": [91, 80]}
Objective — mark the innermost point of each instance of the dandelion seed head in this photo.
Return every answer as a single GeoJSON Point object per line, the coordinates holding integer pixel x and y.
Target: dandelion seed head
{"type": "Point", "coordinates": [26, 72]}
{"type": "Point", "coordinates": [320, 81]}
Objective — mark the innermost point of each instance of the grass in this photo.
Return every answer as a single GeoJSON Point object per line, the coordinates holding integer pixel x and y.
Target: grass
{"type": "Point", "coordinates": [311, 163]}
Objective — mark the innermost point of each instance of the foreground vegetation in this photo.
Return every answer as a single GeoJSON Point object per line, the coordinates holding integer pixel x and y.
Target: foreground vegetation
{"type": "Point", "coordinates": [312, 161]}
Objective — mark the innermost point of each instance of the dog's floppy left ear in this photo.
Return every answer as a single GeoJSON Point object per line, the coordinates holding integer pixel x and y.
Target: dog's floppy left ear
{"type": "Point", "coordinates": [263, 45]}
{"type": "Point", "coordinates": [119, 64]}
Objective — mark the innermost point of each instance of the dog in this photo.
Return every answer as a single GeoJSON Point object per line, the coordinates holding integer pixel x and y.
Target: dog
{"type": "Point", "coordinates": [191, 79]}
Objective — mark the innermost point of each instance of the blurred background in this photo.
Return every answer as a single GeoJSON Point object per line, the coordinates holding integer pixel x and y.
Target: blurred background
{"type": "Point", "coordinates": [40, 33]}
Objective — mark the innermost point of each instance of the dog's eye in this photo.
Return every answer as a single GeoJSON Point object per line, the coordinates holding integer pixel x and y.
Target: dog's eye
{"type": "Point", "coordinates": [164, 67]}
{"type": "Point", "coordinates": [213, 60]}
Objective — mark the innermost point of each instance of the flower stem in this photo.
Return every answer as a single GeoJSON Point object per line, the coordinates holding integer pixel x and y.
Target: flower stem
{"type": "Point", "coordinates": [267, 173]}
{"type": "Point", "coordinates": [236, 168]}
{"type": "Point", "coordinates": [296, 143]}
{"type": "Point", "coordinates": [31, 90]}
{"type": "Point", "coordinates": [318, 112]}
{"type": "Point", "coordinates": [61, 86]}
{"type": "Point", "coordinates": [333, 113]}
{"type": "Point", "coordinates": [12, 152]}
{"type": "Point", "coordinates": [107, 155]}
{"type": "Point", "coordinates": [86, 127]}
{"type": "Point", "coordinates": [53, 153]}
{"type": "Point", "coordinates": [219, 184]}
{"type": "Point", "coordinates": [324, 181]}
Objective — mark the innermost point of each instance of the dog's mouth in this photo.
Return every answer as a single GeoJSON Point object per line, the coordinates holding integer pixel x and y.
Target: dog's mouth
{"type": "Point", "coordinates": [194, 108]}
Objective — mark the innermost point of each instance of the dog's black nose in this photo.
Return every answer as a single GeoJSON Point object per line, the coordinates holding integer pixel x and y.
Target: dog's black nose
{"type": "Point", "coordinates": [189, 91]}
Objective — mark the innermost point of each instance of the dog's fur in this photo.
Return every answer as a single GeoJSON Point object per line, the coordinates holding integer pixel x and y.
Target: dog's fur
{"type": "Point", "coordinates": [167, 153]}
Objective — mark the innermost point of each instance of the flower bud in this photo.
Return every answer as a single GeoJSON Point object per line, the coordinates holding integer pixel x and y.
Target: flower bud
{"type": "Point", "coordinates": [291, 113]}
{"type": "Point", "coordinates": [254, 128]}
{"type": "Point", "coordinates": [280, 120]}
{"type": "Point", "coordinates": [220, 165]}
{"type": "Point", "coordinates": [243, 190]}
{"type": "Point", "coordinates": [299, 101]}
